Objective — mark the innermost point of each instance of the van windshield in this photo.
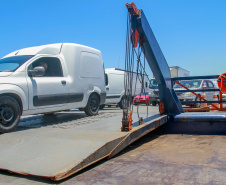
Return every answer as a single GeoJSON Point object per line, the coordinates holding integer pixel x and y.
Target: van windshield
{"type": "Point", "coordinates": [153, 83]}
{"type": "Point", "coordinates": [144, 93]}
{"type": "Point", "coordinates": [10, 64]}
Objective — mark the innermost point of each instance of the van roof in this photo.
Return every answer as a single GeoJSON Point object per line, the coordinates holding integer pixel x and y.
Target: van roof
{"type": "Point", "coordinates": [53, 49]}
{"type": "Point", "coordinates": [114, 70]}
{"type": "Point", "coordinates": [118, 71]}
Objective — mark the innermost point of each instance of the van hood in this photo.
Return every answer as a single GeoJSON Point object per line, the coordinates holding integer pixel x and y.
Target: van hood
{"type": "Point", "coordinates": [3, 74]}
{"type": "Point", "coordinates": [193, 88]}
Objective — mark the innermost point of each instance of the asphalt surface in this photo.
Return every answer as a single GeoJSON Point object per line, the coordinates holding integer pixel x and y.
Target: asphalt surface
{"type": "Point", "coordinates": [157, 158]}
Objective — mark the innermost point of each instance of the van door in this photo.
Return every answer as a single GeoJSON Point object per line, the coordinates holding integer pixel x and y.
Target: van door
{"type": "Point", "coordinates": [49, 90]}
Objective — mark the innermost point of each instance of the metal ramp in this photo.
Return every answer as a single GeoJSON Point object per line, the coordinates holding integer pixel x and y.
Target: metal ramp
{"type": "Point", "coordinates": [60, 150]}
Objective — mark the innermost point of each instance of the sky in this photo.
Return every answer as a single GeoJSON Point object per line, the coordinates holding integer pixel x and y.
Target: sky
{"type": "Point", "coordinates": [191, 33]}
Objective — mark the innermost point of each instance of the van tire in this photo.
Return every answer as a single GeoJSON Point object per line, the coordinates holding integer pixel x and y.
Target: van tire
{"type": "Point", "coordinates": [122, 104]}
{"type": "Point", "coordinates": [154, 103]}
{"type": "Point", "coordinates": [49, 114]}
{"type": "Point", "coordinates": [102, 107]}
{"type": "Point", "coordinates": [92, 106]}
{"type": "Point", "coordinates": [9, 114]}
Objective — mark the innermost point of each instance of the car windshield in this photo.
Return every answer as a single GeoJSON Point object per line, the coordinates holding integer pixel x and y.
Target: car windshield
{"type": "Point", "coordinates": [144, 93]}
{"type": "Point", "coordinates": [10, 64]}
{"type": "Point", "coordinates": [189, 84]}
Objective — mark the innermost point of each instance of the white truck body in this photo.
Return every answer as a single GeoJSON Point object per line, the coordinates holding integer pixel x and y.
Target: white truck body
{"type": "Point", "coordinates": [115, 88]}
{"type": "Point", "coordinates": [74, 73]}
{"type": "Point", "coordinates": [176, 71]}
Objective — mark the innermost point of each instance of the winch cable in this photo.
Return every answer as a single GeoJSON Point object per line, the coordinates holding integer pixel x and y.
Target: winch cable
{"type": "Point", "coordinates": [140, 73]}
{"type": "Point", "coordinates": [129, 74]}
{"type": "Point", "coordinates": [129, 64]}
{"type": "Point", "coordinates": [144, 85]}
{"type": "Point", "coordinates": [137, 77]}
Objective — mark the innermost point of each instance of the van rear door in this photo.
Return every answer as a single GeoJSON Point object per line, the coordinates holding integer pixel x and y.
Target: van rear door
{"type": "Point", "coordinates": [114, 87]}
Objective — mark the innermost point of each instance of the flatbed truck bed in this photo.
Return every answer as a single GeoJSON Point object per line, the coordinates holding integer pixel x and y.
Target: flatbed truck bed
{"type": "Point", "coordinates": [60, 145]}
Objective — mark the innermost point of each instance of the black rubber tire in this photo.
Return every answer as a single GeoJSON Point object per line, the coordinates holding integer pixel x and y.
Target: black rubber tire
{"type": "Point", "coordinates": [121, 104]}
{"type": "Point", "coordinates": [102, 107]}
{"type": "Point", "coordinates": [9, 107]}
{"type": "Point", "coordinates": [92, 106]}
{"type": "Point", "coordinates": [154, 103]}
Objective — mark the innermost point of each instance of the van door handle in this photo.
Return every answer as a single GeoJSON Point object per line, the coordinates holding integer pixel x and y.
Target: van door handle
{"type": "Point", "coordinates": [107, 88]}
{"type": "Point", "coordinates": [63, 82]}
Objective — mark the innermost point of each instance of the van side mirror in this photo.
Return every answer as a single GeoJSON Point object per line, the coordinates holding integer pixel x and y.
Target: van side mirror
{"type": "Point", "coordinates": [37, 71]}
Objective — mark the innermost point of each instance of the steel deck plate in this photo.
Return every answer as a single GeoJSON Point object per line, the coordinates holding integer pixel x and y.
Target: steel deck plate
{"type": "Point", "coordinates": [58, 150]}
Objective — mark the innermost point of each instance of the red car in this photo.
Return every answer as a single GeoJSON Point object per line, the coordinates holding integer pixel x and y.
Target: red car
{"type": "Point", "coordinates": [142, 98]}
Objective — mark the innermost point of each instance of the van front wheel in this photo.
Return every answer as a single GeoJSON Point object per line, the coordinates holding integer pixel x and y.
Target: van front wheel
{"type": "Point", "coordinates": [9, 114]}
{"type": "Point", "coordinates": [92, 106]}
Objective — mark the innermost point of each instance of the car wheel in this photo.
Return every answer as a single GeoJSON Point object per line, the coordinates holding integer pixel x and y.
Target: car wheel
{"type": "Point", "coordinates": [102, 107]}
{"type": "Point", "coordinates": [122, 103]}
{"type": "Point", "coordinates": [9, 114]}
{"type": "Point", "coordinates": [92, 106]}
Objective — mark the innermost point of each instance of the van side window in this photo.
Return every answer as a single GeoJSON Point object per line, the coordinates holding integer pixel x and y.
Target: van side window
{"type": "Point", "coordinates": [106, 79]}
{"type": "Point", "coordinates": [51, 65]}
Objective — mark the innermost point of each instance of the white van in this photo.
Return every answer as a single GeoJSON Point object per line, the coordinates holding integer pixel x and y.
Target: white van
{"type": "Point", "coordinates": [115, 86]}
{"type": "Point", "coordinates": [50, 78]}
